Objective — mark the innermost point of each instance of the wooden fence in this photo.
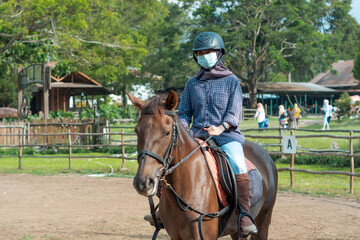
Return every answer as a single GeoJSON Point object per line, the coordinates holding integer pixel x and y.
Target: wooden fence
{"type": "Point", "coordinates": [68, 140]}
{"type": "Point", "coordinates": [248, 114]}
{"type": "Point", "coordinates": [71, 143]}
{"type": "Point", "coordinates": [350, 153]}
{"type": "Point", "coordinates": [55, 130]}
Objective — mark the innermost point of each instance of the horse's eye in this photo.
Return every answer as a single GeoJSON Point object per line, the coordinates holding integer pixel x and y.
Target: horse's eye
{"type": "Point", "coordinates": [166, 134]}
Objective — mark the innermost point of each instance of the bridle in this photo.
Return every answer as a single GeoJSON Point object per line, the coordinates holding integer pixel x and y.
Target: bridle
{"type": "Point", "coordinates": [167, 159]}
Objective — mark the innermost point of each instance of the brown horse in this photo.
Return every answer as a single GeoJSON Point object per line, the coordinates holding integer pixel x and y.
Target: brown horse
{"type": "Point", "coordinates": [167, 157]}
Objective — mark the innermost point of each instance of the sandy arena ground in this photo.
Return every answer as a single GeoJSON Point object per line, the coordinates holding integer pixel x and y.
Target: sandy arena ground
{"type": "Point", "coordinates": [81, 207]}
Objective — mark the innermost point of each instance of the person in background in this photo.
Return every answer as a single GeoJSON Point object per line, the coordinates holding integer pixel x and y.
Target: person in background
{"type": "Point", "coordinates": [297, 112]}
{"type": "Point", "coordinates": [330, 114]}
{"type": "Point", "coordinates": [290, 117]}
{"type": "Point", "coordinates": [326, 109]}
{"type": "Point", "coordinates": [260, 115]}
{"type": "Point", "coordinates": [282, 115]}
{"type": "Point", "coordinates": [266, 122]}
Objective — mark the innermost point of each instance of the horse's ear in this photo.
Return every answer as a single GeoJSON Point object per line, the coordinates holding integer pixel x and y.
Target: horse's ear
{"type": "Point", "coordinates": [171, 101]}
{"type": "Point", "coordinates": [138, 103]}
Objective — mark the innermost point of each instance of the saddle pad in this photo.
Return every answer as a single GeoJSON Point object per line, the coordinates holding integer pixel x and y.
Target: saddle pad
{"type": "Point", "coordinates": [254, 175]}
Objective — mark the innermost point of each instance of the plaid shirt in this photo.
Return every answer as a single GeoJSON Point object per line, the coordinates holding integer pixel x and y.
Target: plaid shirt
{"type": "Point", "coordinates": [211, 102]}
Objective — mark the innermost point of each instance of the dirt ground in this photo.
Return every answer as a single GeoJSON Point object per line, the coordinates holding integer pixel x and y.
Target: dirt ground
{"type": "Point", "coordinates": [82, 207]}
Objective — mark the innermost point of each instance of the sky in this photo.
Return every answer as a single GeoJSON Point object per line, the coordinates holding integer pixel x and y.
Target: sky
{"type": "Point", "coordinates": [355, 11]}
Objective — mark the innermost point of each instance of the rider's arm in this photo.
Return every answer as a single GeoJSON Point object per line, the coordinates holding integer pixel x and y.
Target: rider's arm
{"type": "Point", "coordinates": [185, 111]}
{"type": "Point", "coordinates": [234, 108]}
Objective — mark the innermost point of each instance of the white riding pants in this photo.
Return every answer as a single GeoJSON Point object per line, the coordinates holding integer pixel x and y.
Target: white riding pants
{"type": "Point", "coordinates": [236, 157]}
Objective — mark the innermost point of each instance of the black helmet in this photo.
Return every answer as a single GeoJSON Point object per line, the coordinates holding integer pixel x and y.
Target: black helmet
{"type": "Point", "coordinates": [208, 40]}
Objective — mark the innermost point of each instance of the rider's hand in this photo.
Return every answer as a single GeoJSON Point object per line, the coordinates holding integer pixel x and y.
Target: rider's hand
{"type": "Point", "coordinates": [215, 131]}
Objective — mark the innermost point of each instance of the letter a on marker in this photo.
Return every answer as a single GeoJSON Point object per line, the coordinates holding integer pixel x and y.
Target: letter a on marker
{"type": "Point", "coordinates": [289, 144]}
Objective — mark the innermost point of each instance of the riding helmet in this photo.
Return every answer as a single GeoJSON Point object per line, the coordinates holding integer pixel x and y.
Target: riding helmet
{"type": "Point", "coordinates": [208, 40]}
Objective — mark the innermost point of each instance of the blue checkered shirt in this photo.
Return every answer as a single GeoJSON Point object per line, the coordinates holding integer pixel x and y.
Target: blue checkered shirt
{"type": "Point", "coordinates": [211, 102]}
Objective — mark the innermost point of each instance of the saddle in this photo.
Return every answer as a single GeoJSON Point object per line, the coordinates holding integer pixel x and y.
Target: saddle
{"type": "Point", "coordinates": [224, 180]}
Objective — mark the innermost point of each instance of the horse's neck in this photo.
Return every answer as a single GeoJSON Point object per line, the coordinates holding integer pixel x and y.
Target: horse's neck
{"type": "Point", "coordinates": [194, 170]}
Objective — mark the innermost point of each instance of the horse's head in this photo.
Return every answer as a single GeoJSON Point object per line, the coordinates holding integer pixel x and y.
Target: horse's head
{"type": "Point", "coordinates": [154, 132]}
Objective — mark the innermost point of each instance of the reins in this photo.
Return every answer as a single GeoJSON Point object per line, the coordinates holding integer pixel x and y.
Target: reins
{"type": "Point", "coordinates": [166, 161]}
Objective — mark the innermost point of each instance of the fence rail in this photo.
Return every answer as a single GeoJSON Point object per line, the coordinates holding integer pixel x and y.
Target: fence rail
{"type": "Point", "coordinates": [106, 141]}
{"type": "Point", "coordinates": [350, 153]}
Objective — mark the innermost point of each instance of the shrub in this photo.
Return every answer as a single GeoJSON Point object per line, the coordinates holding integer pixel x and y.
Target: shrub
{"type": "Point", "coordinates": [343, 105]}
{"type": "Point", "coordinates": [331, 161]}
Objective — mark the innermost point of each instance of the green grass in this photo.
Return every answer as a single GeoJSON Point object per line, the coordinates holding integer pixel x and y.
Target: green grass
{"type": "Point", "coordinates": [52, 166]}
{"type": "Point", "coordinates": [315, 184]}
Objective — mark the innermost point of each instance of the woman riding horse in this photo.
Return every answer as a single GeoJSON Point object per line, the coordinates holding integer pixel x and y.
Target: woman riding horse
{"type": "Point", "coordinates": [212, 101]}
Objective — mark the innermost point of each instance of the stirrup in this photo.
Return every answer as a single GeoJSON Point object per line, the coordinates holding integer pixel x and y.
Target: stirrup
{"type": "Point", "coordinates": [253, 228]}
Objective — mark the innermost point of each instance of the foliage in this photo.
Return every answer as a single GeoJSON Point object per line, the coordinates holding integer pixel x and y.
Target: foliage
{"type": "Point", "coordinates": [101, 38]}
{"type": "Point", "coordinates": [60, 114]}
{"type": "Point", "coordinates": [330, 161]}
{"type": "Point", "coordinates": [356, 69]}
{"type": "Point", "coordinates": [124, 42]}
{"type": "Point", "coordinates": [344, 105]}
{"type": "Point", "coordinates": [110, 112]}
{"type": "Point", "coordinates": [87, 113]}
{"type": "Point", "coordinates": [168, 50]}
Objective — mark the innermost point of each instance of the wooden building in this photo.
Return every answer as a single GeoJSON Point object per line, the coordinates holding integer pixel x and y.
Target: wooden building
{"type": "Point", "coordinates": [340, 77]}
{"type": "Point", "coordinates": [50, 93]}
{"type": "Point", "coordinates": [309, 96]}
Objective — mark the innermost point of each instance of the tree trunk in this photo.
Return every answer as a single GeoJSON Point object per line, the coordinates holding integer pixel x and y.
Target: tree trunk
{"type": "Point", "coordinates": [253, 99]}
{"type": "Point", "coordinates": [123, 96]}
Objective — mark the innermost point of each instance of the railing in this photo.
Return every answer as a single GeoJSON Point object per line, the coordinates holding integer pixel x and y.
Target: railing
{"type": "Point", "coordinates": [72, 142]}
{"type": "Point", "coordinates": [107, 141]}
{"type": "Point", "coordinates": [248, 114]}
{"type": "Point", "coordinates": [350, 153]}
{"type": "Point", "coordinates": [30, 129]}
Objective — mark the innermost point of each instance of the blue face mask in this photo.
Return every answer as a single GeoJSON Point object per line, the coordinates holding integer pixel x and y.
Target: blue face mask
{"type": "Point", "coordinates": [207, 60]}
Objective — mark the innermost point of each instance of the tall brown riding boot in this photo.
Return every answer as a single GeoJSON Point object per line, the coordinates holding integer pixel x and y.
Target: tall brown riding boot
{"type": "Point", "coordinates": [244, 195]}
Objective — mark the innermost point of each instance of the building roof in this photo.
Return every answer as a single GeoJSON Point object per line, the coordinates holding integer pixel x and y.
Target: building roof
{"type": "Point", "coordinates": [343, 76]}
{"type": "Point", "coordinates": [293, 87]}
{"type": "Point", "coordinates": [79, 83]}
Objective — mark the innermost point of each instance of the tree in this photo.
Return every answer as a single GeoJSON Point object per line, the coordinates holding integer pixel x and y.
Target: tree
{"type": "Point", "coordinates": [356, 69]}
{"type": "Point", "coordinates": [102, 38]}
{"type": "Point", "coordinates": [343, 30]}
{"type": "Point", "coordinates": [267, 37]}
{"type": "Point", "coordinates": [168, 51]}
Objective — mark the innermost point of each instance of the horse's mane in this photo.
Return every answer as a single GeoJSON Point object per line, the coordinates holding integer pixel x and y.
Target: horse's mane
{"type": "Point", "coordinates": [155, 105]}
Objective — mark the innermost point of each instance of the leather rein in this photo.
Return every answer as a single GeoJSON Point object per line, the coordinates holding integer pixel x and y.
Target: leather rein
{"type": "Point", "coordinates": [166, 161]}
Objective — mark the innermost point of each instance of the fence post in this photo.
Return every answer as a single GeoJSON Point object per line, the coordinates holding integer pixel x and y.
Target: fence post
{"type": "Point", "coordinates": [292, 163]}
{"type": "Point", "coordinates": [281, 140]}
{"type": "Point", "coordinates": [20, 146]}
{"type": "Point", "coordinates": [351, 151]}
{"type": "Point", "coordinates": [69, 137]}
{"type": "Point", "coordinates": [123, 168]}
